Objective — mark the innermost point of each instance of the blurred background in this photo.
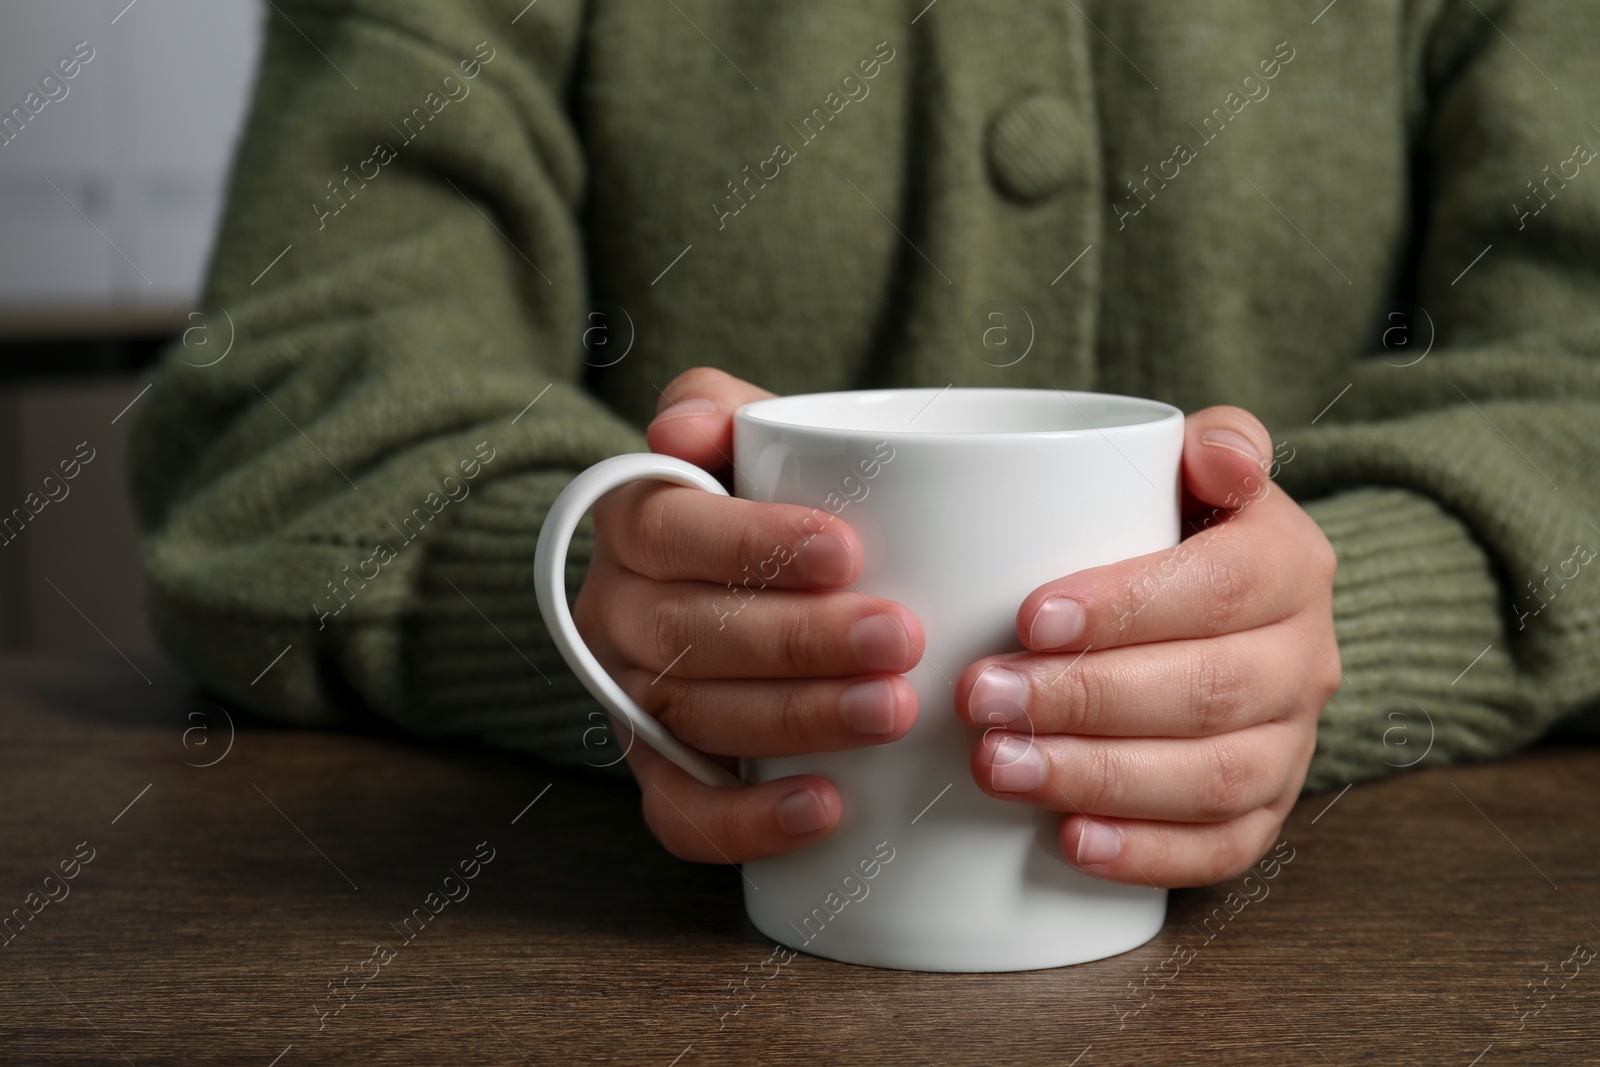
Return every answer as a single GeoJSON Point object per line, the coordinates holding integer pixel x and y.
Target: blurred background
{"type": "Point", "coordinates": [111, 183]}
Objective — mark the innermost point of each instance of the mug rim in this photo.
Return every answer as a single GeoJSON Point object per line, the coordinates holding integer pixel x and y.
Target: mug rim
{"type": "Point", "coordinates": [769, 412]}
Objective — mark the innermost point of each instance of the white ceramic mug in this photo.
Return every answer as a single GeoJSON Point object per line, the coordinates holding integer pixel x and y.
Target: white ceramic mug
{"type": "Point", "coordinates": [965, 501]}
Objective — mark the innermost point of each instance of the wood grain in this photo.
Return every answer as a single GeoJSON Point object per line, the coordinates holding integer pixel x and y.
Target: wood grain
{"type": "Point", "coordinates": [218, 908]}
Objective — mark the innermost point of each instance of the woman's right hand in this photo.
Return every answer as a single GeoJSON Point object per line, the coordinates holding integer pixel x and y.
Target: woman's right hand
{"type": "Point", "coordinates": [735, 624]}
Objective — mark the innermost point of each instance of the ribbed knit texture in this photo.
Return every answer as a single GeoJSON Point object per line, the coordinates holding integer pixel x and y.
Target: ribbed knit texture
{"type": "Point", "coordinates": [1412, 593]}
{"type": "Point", "coordinates": [327, 538]}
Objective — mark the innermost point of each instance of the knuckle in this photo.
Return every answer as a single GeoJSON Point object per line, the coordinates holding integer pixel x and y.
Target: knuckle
{"type": "Point", "coordinates": [1324, 560]}
{"type": "Point", "coordinates": [1132, 590]}
{"type": "Point", "coordinates": [793, 716]}
{"type": "Point", "coordinates": [586, 614]}
{"type": "Point", "coordinates": [1285, 776]}
{"type": "Point", "coordinates": [710, 837]}
{"type": "Point", "coordinates": [1225, 592]}
{"type": "Point", "coordinates": [1226, 789]}
{"type": "Point", "coordinates": [793, 641]}
{"type": "Point", "coordinates": [1222, 861]}
{"type": "Point", "coordinates": [597, 624]}
{"type": "Point", "coordinates": [1079, 693]}
{"type": "Point", "coordinates": [604, 515]}
{"type": "Point", "coordinates": [676, 624]}
{"type": "Point", "coordinates": [1238, 845]}
{"type": "Point", "coordinates": [1329, 679]}
{"type": "Point", "coordinates": [1216, 688]}
{"type": "Point", "coordinates": [1325, 673]}
{"type": "Point", "coordinates": [615, 515]}
{"type": "Point", "coordinates": [755, 546]}
{"type": "Point", "coordinates": [739, 827]}
{"type": "Point", "coordinates": [681, 552]}
{"type": "Point", "coordinates": [1100, 784]}
{"type": "Point", "coordinates": [672, 702]}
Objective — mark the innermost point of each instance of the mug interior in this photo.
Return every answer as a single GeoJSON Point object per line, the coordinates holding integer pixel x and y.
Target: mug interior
{"type": "Point", "coordinates": [957, 411]}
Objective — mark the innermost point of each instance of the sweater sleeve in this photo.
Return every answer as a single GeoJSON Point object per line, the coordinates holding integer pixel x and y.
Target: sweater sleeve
{"type": "Point", "coordinates": [342, 471]}
{"type": "Point", "coordinates": [1456, 475]}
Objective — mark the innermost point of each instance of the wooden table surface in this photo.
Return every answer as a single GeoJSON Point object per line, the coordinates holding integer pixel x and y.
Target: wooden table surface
{"type": "Point", "coordinates": [1440, 917]}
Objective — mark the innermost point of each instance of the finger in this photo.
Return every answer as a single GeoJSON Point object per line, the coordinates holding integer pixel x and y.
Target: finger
{"type": "Point", "coordinates": [707, 824]}
{"type": "Point", "coordinates": [673, 533]}
{"type": "Point", "coordinates": [699, 630]}
{"type": "Point", "coordinates": [1226, 452]}
{"type": "Point", "coordinates": [1171, 855]}
{"type": "Point", "coordinates": [760, 718]}
{"type": "Point", "coordinates": [694, 417]}
{"type": "Point", "coordinates": [1266, 562]}
{"type": "Point", "coordinates": [1165, 689]}
{"type": "Point", "coordinates": [1210, 779]}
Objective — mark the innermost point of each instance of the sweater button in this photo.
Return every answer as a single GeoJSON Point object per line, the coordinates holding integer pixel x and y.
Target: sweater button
{"type": "Point", "coordinates": [1033, 145]}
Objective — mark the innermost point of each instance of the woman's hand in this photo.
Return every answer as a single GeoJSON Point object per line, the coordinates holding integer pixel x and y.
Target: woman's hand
{"type": "Point", "coordinates": [1169, 703]}
{"type": "Point", "coordinates": [734, 623]}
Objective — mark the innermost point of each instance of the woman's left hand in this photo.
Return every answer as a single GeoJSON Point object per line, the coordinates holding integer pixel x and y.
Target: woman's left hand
{"type": "Point", "coordinates": [1168, 704]}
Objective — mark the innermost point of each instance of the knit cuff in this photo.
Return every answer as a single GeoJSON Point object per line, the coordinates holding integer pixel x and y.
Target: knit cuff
{"type": "Point", "coordinates": [480, 661]}
{"type": "Point", "coordinates": [1416, 609]}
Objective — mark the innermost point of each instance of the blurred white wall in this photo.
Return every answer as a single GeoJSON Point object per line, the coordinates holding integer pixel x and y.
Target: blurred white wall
{"type": "Point", "coordinates": [139, 144]}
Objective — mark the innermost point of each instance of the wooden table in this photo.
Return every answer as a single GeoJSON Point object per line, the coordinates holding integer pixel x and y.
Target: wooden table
{"type": "Point", "coordinates": [221, 903]}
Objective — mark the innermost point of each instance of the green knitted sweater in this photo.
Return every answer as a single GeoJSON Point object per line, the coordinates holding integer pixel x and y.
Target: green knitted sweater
{"type": "Point", "coordinates": [467, 244]}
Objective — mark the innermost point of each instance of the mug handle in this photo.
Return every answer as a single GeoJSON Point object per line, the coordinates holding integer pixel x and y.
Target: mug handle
{"type": "Point", "coordinates": [550, 583]}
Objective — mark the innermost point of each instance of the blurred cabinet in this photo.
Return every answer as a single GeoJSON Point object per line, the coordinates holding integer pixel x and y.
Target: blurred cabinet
{"type": "Point", "coordinates": [110, 193]}
{"type": "Point", "coordinates": [69, 560]}
{"type": "Point", "coordinates": [111, 184]}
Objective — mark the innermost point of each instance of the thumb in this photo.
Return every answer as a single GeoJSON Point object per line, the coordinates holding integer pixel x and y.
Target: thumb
{"type": "Point", "coordinates": [1226, 453]}
{"type": "Point", "coordinates": [694, 418]}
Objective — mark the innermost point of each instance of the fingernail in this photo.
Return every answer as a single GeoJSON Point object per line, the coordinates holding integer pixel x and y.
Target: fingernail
{"type": "Point", "coordinates": [879, 644]}
{"type": "Point", "coordinates": [868, 707]}
{"type": "Point", "coordinates": [1017, 765]}
{"type": "Point", "coordinates": [802, 813]}
{"type": "Point", "coordinates": [823, 560]}
{"type": "Point", "coordinates": [677, 409]}
{"type": "Point", "coordinates": [1098, 842]}
{"type": "Point", "coordinates": [1233, 442]}
{"type": "Point", "coordinates": [1058, 622]}
{"type": "Point", "coordinates": [998, 696]}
